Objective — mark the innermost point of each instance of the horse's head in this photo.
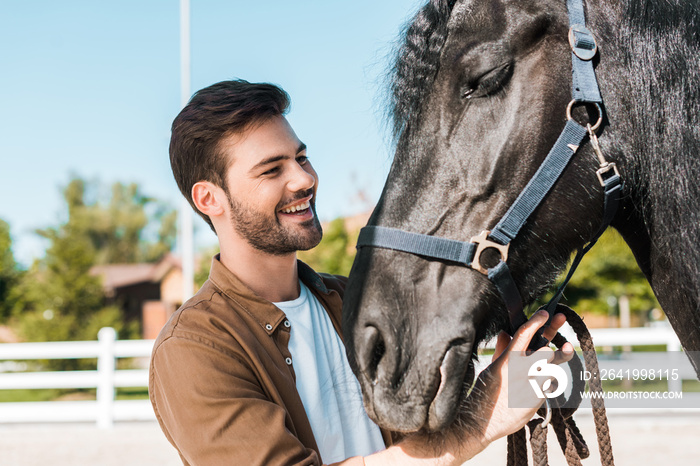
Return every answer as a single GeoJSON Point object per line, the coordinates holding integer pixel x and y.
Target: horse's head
{"type": "Point", "coordinates": [479, 99]}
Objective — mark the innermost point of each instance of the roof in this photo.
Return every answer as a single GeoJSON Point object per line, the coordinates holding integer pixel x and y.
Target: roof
{"type": "Point", "coordinates": [120, 275]}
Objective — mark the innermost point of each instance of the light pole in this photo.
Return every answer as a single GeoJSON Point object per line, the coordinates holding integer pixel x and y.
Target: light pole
{"type": "Point", "coordinates": [186, 225]}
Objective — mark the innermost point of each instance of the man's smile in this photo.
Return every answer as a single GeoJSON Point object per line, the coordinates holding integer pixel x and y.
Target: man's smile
{"type": "Point", "coordinates": [299, 209]}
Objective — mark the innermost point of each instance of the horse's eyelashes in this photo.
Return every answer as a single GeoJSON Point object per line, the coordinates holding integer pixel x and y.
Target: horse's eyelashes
{"type": "Point", "coordinates": [468, 93]}
{"type": "Point", "coordinates": [496, 79]}
{"type": "Point", "coordinates": [489, 83]}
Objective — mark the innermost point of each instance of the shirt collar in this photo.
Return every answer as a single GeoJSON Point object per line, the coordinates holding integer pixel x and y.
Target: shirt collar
{"type": "Point", "coordinates": [311, 278]}
{"type": "Point", "coordinates": [263, 311]}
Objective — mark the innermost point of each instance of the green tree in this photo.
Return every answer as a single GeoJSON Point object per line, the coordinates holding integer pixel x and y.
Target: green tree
{"type": "Point", "coordinates": [61, 299]}
{"type": "Point", "coordinates": [609, 270]}
{"type": "Point", "coordinates": [204, 265]}
{"type": "Point", "coordinates": [9, 273]}
{"type": "Point", "coordinates": [120, 228]}
{"type": "Point", "coordinates": [58, 297]}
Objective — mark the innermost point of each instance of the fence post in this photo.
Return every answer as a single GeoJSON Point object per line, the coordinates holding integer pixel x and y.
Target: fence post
{"type": "Point", "coordinates": [673, 346]}
{"type": "Point", "coordinates": [105, 372]}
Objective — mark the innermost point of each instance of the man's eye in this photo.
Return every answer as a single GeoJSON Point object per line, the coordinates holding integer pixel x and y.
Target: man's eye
{"type": "Point", "coordinates": [302, 159]}
{"type": "Point", "coordinates": [272, 171]}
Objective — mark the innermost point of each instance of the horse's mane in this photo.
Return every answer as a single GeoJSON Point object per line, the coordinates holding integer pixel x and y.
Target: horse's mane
{"type": "Point", "coordinates": [417, 62]}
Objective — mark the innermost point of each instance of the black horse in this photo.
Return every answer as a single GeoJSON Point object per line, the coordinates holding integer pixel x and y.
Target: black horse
{"type": "Point", "coordinates": [480, 89]}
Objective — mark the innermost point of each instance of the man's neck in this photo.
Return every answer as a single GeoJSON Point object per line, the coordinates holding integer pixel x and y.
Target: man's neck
{"type": "Point", "coordinates": [274, 278]}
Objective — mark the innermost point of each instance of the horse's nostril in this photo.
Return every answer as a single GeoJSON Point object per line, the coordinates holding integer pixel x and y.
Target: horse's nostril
{"type": "Point", "coordinates": [372, 350]}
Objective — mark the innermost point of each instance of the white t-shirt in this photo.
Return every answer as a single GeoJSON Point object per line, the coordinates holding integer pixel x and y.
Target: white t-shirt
{"type": "Point", "coordinates": [328, 388]}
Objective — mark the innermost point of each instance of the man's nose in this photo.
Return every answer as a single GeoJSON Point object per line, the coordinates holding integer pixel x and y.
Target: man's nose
{"type": "Point", "coordinates": [301, 179]}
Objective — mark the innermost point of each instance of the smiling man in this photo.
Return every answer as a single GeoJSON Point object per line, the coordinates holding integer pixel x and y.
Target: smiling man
{"type": "Point", "coordinates": [252, 369]}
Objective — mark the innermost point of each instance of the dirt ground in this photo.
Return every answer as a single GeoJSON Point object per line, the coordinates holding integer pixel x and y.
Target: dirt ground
{"type": "Point", "coordinates": [637, 440]}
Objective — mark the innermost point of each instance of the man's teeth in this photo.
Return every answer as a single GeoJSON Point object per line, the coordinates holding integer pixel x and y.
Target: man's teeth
{"type": "Point", "coordinates": [297, 208]}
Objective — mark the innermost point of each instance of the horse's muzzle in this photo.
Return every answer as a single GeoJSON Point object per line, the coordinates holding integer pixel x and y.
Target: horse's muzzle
{"type": "Point", "coordinates": [453, 372]}
{"type": "Point", "coordinates": [407, 393]}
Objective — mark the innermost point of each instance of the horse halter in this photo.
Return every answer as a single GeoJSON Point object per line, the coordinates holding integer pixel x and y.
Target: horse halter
{"type": "Point", "coordinates": [584, 91]}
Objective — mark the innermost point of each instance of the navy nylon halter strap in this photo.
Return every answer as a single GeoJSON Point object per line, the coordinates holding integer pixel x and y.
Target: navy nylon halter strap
{"type": "Point", "coordinates": [584, 90]}
{"type": "Point", "coordinates": [434, 247]}
{"type": "Point", "coordinates": [540, 184]}
{"type": "Point", "coordinates": [583, 49]}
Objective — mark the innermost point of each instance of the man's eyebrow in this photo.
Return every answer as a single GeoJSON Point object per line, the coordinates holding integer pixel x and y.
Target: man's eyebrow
{"type": "Point", "coordinates": [276, 158]}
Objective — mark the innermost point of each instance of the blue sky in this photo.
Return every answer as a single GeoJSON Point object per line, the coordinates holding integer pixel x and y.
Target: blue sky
{"type": "Point", "coordinates": [90, 88]}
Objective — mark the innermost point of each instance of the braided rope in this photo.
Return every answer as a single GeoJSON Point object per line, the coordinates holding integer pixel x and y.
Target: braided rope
{"type": "Point", "coordinates": [566, 441]}
{"type": "Point", "coordinates": [517, 449]}
{"type": "Point", "coordinates": [538, 442]}
{"type": "Point", "coordinates": [598, 404]}
{"type": "Point", "coordinates": [577, 438]}
{"type": "Point", "coordinates": [510, 458]}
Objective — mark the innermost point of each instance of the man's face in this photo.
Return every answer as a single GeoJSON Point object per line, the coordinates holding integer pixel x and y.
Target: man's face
{"type": "Point", "coordinates": [271, 187]}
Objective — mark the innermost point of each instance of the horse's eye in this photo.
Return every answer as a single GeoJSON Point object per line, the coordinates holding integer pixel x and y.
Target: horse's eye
{"type": "Point", "coordinates": [488, 83]}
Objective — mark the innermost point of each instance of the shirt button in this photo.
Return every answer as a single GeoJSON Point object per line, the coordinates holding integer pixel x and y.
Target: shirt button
{"type": "Point", "coordinates": [288, 361]}
{"type": "Point", "coordinates": [287, 324]}
{"type": "Point", "coordinates": [268, 327]}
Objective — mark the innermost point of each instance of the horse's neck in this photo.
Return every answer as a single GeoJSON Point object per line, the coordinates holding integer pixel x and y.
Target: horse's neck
{"type": "Point", "coordinates": [653, 135]}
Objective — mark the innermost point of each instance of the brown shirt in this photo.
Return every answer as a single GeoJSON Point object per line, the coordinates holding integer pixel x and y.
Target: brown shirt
{"type": "Point", "coordinates": [222, 380]}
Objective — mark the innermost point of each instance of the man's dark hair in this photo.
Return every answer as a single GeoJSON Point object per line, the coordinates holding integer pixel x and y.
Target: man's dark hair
{"type": "Point", "coordinates": [214, 112]}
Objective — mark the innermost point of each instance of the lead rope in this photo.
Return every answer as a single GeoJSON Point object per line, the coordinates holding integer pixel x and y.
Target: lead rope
{"type": "Point", "coordinates": [570, 440]}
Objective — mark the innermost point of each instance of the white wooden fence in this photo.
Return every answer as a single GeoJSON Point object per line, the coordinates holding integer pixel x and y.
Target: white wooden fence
{"type": "Point", "coordinates": [105, 409]}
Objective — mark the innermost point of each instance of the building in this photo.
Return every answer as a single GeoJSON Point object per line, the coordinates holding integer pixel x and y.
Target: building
{"type": "Point", "coordinates": [149, 293]}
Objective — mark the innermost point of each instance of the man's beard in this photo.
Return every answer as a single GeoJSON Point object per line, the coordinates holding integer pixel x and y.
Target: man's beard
{"type": "Point", "coordinates": [266, 233]}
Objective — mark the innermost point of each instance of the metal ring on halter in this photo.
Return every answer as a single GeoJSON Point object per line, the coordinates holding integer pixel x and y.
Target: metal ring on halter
{"type": "Point", "coordinates": [483, 243]}
{"type": "Point", "coordinates": [597, 106]}
{"type": "Point", "coordinates": [547, 413]}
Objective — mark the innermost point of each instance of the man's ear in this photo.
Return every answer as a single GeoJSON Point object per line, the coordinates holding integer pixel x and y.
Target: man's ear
{"type": "Point", "coordinates": [208, 198]}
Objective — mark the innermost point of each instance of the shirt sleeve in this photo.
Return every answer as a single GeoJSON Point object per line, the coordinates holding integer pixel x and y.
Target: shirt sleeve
{"type": "Point", "coordinates": [214, 411]}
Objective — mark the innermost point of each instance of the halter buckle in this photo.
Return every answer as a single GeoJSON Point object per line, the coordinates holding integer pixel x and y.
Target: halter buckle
{"type": "Point", "coordinates": [483, 243]}
{"type": "Point", "coordinates": [604, 169]}
{"type": "Point", "coordinates": [582, 42]}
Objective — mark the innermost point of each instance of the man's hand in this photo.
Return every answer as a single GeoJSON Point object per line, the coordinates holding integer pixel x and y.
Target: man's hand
{"type": "Point", "coordinates": [493, 412]}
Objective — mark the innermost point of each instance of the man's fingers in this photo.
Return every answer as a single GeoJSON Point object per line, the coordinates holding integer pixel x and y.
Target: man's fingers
{"type": "Point", "coordinates": [564, 355]}
{"type": "Point", "coordinates": [527, 331]}
{"type": "Point", "coordinates": [501, 344]}
{"type": "Point", "coordinates": [554, 325]}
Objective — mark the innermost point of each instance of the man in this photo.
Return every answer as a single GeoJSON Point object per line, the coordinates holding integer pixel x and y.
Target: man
{"type": "Point", "coordinates": [236, 379]}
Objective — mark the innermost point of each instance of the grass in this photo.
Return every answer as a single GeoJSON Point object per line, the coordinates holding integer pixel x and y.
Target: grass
{"type": "Point", "coordinates": [132, 393]}
{"type": "Point", "coordinates": [125, 393]}
{"type": "Point", "coordinates": [44, 394]}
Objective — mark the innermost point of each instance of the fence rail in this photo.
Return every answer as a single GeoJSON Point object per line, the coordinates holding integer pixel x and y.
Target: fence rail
{"type": "Point", "coordinates": [105, 410]}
